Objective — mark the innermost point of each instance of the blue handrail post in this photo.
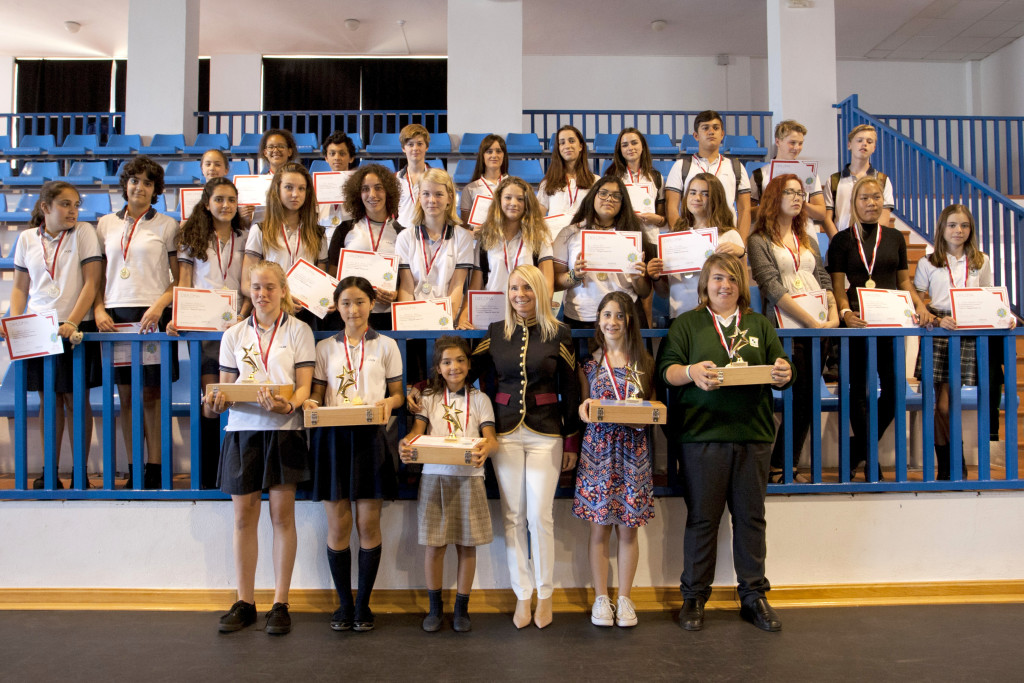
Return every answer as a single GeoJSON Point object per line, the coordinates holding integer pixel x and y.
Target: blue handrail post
{"type": "Point", "coordinates": [195, 414]}
{"type": "Point", "coordinates": [137, 407]}
{"type": "Point", "coordinates": [816, 413]}
{"type": "Point", "coordinates": [1010, 406]}
{"type": "Point", "coordinates": [787, 421]}
{"type": "Point", "coordinates": [166, 432]}
{"type": "Point", "coordinates": [984, 405]}
{"type": "Point", "coordinates": [927, 408]}
{"type": "Point", "coordinates": [956, 445]}
{"type": "Point", "coordinates": [844, 410]}
{"type": "Point", "coordinates": [48, 414]}
{"type": "Point", "coordinates": [109, 434]}
{"type": "Point", "coordinates": [79, 398]}
{"type": "Point", "coordinates": [871, 463]}
{"type": "Point", "coordinates": [20, 427]}
{"type": "Point", "coordinates": [900, 365]}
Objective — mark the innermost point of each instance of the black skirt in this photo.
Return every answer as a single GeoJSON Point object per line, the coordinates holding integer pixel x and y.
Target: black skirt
{"type": "Point", "coordinates": [63, 371]}
{"type": "Point", "coordinates": [150, 373]}
{"type": "Point", "coordinates": [352, 463]}
{"type": "Point", "coordinates": [256, 461]}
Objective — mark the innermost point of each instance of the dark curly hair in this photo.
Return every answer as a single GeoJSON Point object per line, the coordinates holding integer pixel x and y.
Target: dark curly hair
{"type": "Point", "coordinates": [353, 190]}
{"type": "Point", "coordinates": [143, 165]}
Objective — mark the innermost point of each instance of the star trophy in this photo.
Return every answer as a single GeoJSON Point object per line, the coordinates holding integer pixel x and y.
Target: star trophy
{"type": "Point", "coordinates": [738, 371]}
{"type": "Point", "coordinates": [445, 450]}
{"type": "Point", "coordinates": [631, 410]}
{"type": "Point", "coordinates": [350, 412]}
{"type": "Point", "coordinates": [246, 390]}
{"type": "Point", "coordinates": [451, 416]}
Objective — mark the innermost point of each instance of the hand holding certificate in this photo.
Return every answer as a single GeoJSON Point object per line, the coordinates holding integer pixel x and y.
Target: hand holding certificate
{"type": "Point", "coordinates": [123, 350]}
{"type": "Point", "coordinates": [814, 302]}
{"type": "Point", "coordinates": [981, 308]}
{"type": "Point", "coordinates": [329, 186]}
{"type": "Point", "coordinates": [886, 308]}
{"type": "Point", "coordinates": [611, 251]}
{"type": "Point", "coordinates": [435, 314]}
{"type": "Point", "coordinates": [252, 189]}
{"type": "Point", "coordinates": [204, 310]}
{"type": "Point", "coordinates": [686, 251]}
{"type": "Point", "coordinates": [380, 269]}
{"type": "Point", "coordinates": [311, 287]}
{"type": "Point", "coordinates": [486, 308]}
{"type": "Point", "coordinates": [32, 335]}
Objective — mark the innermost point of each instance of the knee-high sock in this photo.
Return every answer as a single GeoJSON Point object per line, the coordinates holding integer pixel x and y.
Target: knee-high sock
{"type": "Point", "coordinates": [369, 561]}
{"type": "Point", "coordinates": [340, 562]}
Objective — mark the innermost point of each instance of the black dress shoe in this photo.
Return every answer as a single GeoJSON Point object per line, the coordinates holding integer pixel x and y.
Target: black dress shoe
{"type": "Point", "coordinates": [691, 617]}
{"type": "Point", "coordinates": [761, 615]}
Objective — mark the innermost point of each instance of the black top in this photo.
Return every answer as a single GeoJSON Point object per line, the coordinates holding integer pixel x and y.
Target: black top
{"type": "Point", "coordinates": [843, 257]}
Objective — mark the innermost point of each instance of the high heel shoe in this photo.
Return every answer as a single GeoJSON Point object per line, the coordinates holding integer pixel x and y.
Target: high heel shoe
{"type": "Point", "coordinates": [542, 616]}
{"type": "Point", "coordinates": [522, 616]}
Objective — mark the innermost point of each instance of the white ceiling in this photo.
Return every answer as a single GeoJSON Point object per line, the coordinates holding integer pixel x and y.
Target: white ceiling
{"type": "Point", "coordinates": [939, 30]}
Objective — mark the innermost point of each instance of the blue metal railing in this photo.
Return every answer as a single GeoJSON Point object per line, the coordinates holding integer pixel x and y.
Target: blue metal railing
{"type": "Point", "coordinates": [190, 407]}
{"type": "Point", "coordinates": [924, 184]}
{"type": "Point", "coordinates": [61, 124]}
{"type": "Point", "coordinates": [544, 122]}
{"type": "Point", "coordinates": [365, 122]}
{"type": "Point", "coordinates": [988, 147]}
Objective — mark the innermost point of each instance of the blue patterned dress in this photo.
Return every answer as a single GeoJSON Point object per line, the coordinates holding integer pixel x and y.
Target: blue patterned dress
{"type": "Point", "coordinates": [613, 482]}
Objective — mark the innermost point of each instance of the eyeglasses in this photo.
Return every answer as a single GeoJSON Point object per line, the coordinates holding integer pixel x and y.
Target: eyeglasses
{"type": "Point", "coordinates": [609, 196]}
{"type": "Point", "coordinates": [795, 193]}
{"type": "Point", "coordinates": [276, 148]}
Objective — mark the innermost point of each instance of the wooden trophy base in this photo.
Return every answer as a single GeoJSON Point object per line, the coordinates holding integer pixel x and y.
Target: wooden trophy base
{"type": "Point", "coordinates": [344, 416]}
{"type": "Point", "coordinates": [245, 392]}
{"type": "Point", "coordinates": [436, 450]}
{"type": "Point", "coordinates": [628, 412]}
{"type": "Point", "coordinates": [734, 376]}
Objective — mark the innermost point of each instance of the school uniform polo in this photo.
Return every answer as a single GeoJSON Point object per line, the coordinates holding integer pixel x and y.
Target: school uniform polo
{"type": "Point", "coordinates": [285, 256]}
{"type": "Point", "coordinates": [655, 195]}
{"type": "Point", "coordinates": [840, 204]}
{"type": "Point", "coordinates": [682, 287]}
{"type": "Point", "coordinates": [288, 346]}
{"type": "Point", "coordinates": [565, 201]}
{"type": "Point", "coordinates": [935, 280]}
{"type": "Point", "coordinates": [148, 262]}
{"type": "Point", "coordinates": [410, 194]}
{"type": "Point", "coordinates": [35, 254]}
{"type": "Point", "coordinates": [581, 301]}
{"type": "Point", "coordinates": [477, 188]}
{"type": "Point", "coordinates": [364, 235]}
{"type": "Point", "coordinates": [721, 168]}
{"type": "Point", "coordinates": [222, 268]}
{"type": "Point", "coordinates": [375, 365]}
{"type": "Point", "coordinates": [499, 261]}
{"type": "Point", "coordinates": [453, 251]}
{"type": "Point", "coordinates": [481, 414]}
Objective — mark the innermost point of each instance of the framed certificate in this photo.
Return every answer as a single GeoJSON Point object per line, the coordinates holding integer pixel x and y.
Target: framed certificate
{"type": "Point", "coordinates": [204, 310]}
{"type": "Point", "coordinates": [641, 198]}
{"type": "Point", "coordinates": [329, 186]}
{"type": "Point", "coordinates": [980, 308]}
{"type": "Point", "coordinates": [556, 222]}
{"type": "Point", "coordinates": [806, 171]}
{"type": "Point", "coordinates": [687, 250]}
{"type": "Point", "coordinates": [380, 269]}
{"type": "Point", "coordinates": [486, 308]}
{"type": "Point", "coordinates": [32, 335]}
{"type": "Point", "coordinates": [123, 350]}
{"type": "Point", "coordinates": [252, 189]}
{"type": "Point", "coordinates": [481, 205]}
{"type": "Point", "coordinates": [311, 287]}
{"type": "Point", "coordinates": [814, 302]}
{"type": "Point", "coordinates": [886, 307]}
{"type": "Point", "coordinates": [188, 199]}
{"type": "Point", "coordinates": [435, 314]}
{"type": "Point", "coordinates": [611, 251]}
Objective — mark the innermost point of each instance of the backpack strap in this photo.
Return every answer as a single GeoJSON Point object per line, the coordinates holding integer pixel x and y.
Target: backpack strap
{"type": "Point", "coordinates": [737, 171]}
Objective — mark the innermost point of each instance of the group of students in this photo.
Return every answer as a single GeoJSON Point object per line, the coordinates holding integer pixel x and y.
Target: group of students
{"type": "Point", "coordinates": [534, 394]}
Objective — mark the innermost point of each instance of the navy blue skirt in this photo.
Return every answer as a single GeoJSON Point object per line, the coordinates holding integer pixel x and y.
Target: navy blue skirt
{"type": "Point", "coordinates": [256, 461]}
{"type": "Point", "coordinates": [352, 463]}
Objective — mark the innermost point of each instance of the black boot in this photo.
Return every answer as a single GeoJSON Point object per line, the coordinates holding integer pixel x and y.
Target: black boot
{"type": "Point", "coordinates": [340, 562]}
{"type": "Point", "coordinates": [129, 483]}
{"type": "Point", "coordinates": [369, 562]}
{"type": "Point", "coordinates": [432, 622]}
{"type": "Point", "coordinates": [151, 478]}
{"type": "Point", "coordinates": [461, 622]}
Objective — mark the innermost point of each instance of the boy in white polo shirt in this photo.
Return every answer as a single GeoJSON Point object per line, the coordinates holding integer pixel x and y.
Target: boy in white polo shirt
{"type": "Point", "coordinates": [789, 142]}
{"type": "Point", "coordinates": [861, 143]}
{"type": "Point", "coordinates": [709, 131]}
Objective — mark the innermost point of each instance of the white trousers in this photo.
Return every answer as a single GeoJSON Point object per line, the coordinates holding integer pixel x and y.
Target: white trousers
{"type": "Point", "coordinates": [528, 465]}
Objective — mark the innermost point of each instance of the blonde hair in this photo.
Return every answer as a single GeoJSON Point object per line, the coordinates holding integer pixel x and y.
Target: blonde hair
{"type": "Point", "coordinates": [731, 266]}
{"type": "Point", "coordinates": [438, 177]}
{"type": "Point", "coordinates": [789, 126]}
{"type": "Point", "coordinates": [309, 219]}
{"type": "Point", "coordinates": [287, 303]}
{"type": "Point", "coordinates": [411, 131]}
{"type": "Point", "coordinates": [532, 226]}
{"type": "Point", "coordinates": [532, 276]}
{"type": "Point", "coordinates": [862, 128]}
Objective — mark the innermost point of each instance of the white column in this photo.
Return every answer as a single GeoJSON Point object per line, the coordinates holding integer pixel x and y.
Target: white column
{"type": "Point", "coordinates": [163, 67]}
{"type": "Point", "coordinates": [802, 75]}
{"type": "Point", "coordinates": [485, 66]}
{"type": "Point", "coordinates": [6, 86]}
{"type": "Point", "coordinates": [236, 84]}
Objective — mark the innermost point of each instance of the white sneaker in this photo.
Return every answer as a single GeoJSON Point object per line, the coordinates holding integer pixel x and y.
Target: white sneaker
{"type": "Point", "coordinates": [602, 613]}
{"type": "Point", "coordinates": [625, 612]}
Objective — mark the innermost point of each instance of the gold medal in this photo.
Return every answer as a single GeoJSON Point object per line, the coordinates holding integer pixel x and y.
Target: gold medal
{"type": "Point", "coordinates": [335, 221]}
{"type": "Point", "coordinates": [798, 283]}
{"type": "Point", "coordinates": [125, 273]}
{"type": "Point", "coordinates": [870, 284]}
{"type": "Point", "coordinates": [426, 288]}
{"type": "Point", "coordinates": [602, 276]}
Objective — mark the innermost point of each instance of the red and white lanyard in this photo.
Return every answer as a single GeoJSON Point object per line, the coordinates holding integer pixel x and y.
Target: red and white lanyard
{"type": "Point", "coordinates": [490, 190]}
{"type": "Point", "coordinates": [572, 195]}
{"type": "Point", "coordinates": [427, 265]}
{"type": "Point", "coordinates": [298, 244]}
{"type": "Point", "coordinates": [707, 169]}
{"type": "Point", "coordinates": [465, 431]}
{"type": "Point", "coordinates": [795, 256]}
{"type": "Point", "coordinates": [362, 357]}
{"type": "Point", "coordinates": [729, 348]}
{"type": "Point", "coordinates": [860, 249]}
{"type": "Point", "coordinates": [51, 268]}
{"type": "Point", "coordinates": [265, 355]}
{"type": "Point", "coordinates": [125, 246]}
{"type": "Point", "coordinates": [949, 270]}
{"type": "Point", "coordinates": [374, 245]}
{"type": "Point", "coordinates": [633, 181]}
{"type": "Point", "coordinates": [611, 376]}
{"type": "Point", "coordinates": [231, 259]}
{"type": "Point", "coordinates": [408, 181]}
{"type": "Point", "coordinates": [515, 263]}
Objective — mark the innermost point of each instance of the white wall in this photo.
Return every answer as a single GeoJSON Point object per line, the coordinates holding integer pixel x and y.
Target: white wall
{"type": "Point", "coordinates": [1001, 94]}
{"type": "Point", "coordinates": [236, 82]}
{"type": "Point", "coordinates": [906, 87]}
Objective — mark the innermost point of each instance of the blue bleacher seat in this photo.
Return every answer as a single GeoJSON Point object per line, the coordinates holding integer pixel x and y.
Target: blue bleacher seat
{"type": "Point", "coordinates": [357, 140]}
{"type": "Point", "coordinates": [441, 143]}
{"type": "Point", "coordinates": [437, 163]}
{"type": "Point", "coordinates": [239, 167]}
{"type": "Point", "coordinates": [823, 246]}
{"type": "Point", "coordinates": [384, 143]}
{"type": "Point", "coordinates": [529, 170]}
{"type": "Point", "coordinates": [604, 143]}
{"type": "Point", "coordinates": [688, 145]}
{"type": "Point", "coordinates": [306, 143]}
{"type": "Point", "coordinates": [319, 166]}
{"type": "Point", "coordinates": [5, 171]}
{"type": "Point", "coordinates": [77, 145]}
{"type": "Point", "coordinates": [523, 143]}
{"type": "Point", "coordinates": [755, 299]}
{"type": "Point", "coordinates": [752, 166]}
{"type": "Point", "coordinates": [5, 144]}
{"type": "Point", "coordinates": [205, 141]}
{"type": "Point", "coordinates": [664, 167]}
{"type": "Point", "coordinates": [85, 172]}
{"type": "Point", "coordinates": [164, 143]}
{"type": "Point", "coordinates": [249, 144]}
{"type": "Point", "coordinates": [183, 173]}
{"type": "Point", "coordinates": [33, 145]}
{"type": "Point", "coordinates": [35, 173]}
{"type": "Point", "coordinates": [470, 142]}
{"type": "Point", "coordinates": [114, 179]}
{"type": "Point", "coordinates": [8, 241]}
{"type": "Point", "coordinates": [386, 163]}
{"type": "Point", "coordinates": [660, 143]}
{"type": "Point", "coordinates": [742, 146]}
{"type": "Point", "coordinates": [464, 171]}
{"type": "Point", "coordinates": [94, 205]}
{"type": "Point", "coordinates": [605, 163]}
{"type": "Point", "coordinates": [19, 207]}
{"type": "Point", "coordinates": [121, 144]}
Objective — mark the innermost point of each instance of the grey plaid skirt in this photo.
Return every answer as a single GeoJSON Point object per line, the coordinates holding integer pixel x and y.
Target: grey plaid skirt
{"type": "Point", "coordinates": [453, 509]}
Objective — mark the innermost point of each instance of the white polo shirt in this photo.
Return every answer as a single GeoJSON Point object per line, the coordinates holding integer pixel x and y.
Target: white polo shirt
{"type": "Point", "coordinates": [222, 268]}
{"type": "Point", "coordinates": [286, 256]}
{"type": "Point", "coordinates": [682, 287]}
{"type": "Point", "coordinates": [581, 301]}
{"type": "Point", "coordinates": [288, 345]}
{"type": "Point", "coordinates": [653, 193]}
{"type": "Point", "coordinates": [149, 267]}
{"type": "Point", "coordinates": [480, 414]}
{"type": "Point", "coordinates": [721, 168]}
{"type": "Point", "coordinates": [935, 281]}
{"type": "Point", "coordinates": [454, 250]}
{"type": "Point", "coordinates": [332, 215]}
{"type": "Point", "coordinates": [407, 200]}
{"type": "Point", "coordinates": [377, 363]}
{"type": "Point", "coordinates": [367, 234]}
{"type": "Point", "coordinates": [478, 187]}
{"type": "Point", "coordinates": [503, 259]}
{"type": "Point", "coordinates": [37, 252]}
{"type": "Point", "coordinates": [840, 204]}
{"type": "Point", "coordinates": [565, 201]}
